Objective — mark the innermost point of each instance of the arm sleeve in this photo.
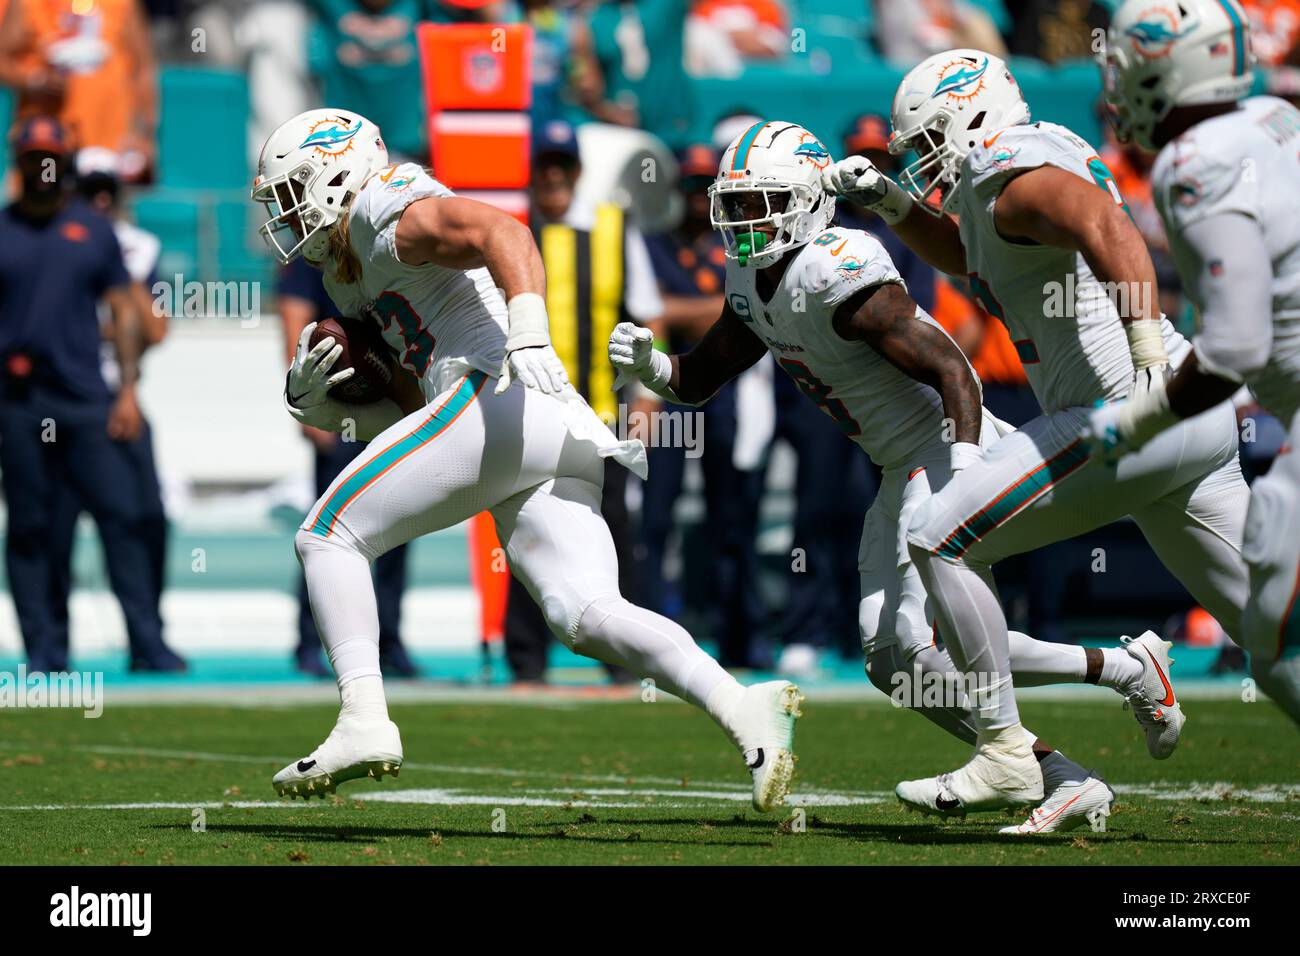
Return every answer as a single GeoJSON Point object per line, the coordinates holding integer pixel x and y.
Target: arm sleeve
{"type": "Point", "coordinates": [642, 295]}
{"type": "Point", "coordinates": [1233, 283]}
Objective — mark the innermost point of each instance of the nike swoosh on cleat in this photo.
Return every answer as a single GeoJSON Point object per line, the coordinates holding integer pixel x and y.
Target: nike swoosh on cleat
{"type": "Point", "coordinates": [1169, 691]}
{"type": "Point", "coordinates": [942, 804]}
{"type": "Point", "coordinates": [758, 761]}
{"type": "Point", "coordinates": [305, 765]}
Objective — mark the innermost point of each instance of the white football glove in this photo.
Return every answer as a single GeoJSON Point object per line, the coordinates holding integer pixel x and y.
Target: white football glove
{"type": "Point", "coordinates": [1121, 428]}
{"type": "Point", "coordinates": [633, 355]}
{"type": "Point", "coordinates": [1149, 379]}
{"type": "Point", "coordinates": [963, 454]}
{"type": "Point", "coordinates": [857, 179]}
{"type": "Point", "coordinates": [309, 380]}
{"type": "Point", "coordinates": [529, 355]}
{"type": "Point", "coordinates": [536, 366]}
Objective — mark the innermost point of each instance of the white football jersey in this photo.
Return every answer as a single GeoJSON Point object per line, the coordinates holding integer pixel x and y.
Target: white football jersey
{"type": "Point", "coordinates": [441, 322]}
{"type": "Point", "coordinates": [890, 415]}
{"type": "Point", "coordinates": [1064, 325]}
{"type": "Point", "coordinates": [1245, 162]}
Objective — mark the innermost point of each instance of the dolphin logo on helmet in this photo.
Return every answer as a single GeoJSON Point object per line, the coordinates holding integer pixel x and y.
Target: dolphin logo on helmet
{"type": "Point", "coordinates": [309, 171]}
{"type": "Point", "coordinates": [1159, 57]}
{"type": "Point", "coordinates": [768, 198]}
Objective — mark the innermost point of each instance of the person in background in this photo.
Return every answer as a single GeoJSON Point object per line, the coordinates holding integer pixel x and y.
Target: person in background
{"type": "Point", "coordinates": [565, 71]}
{"type": "Point", "coordinates": [98, 184]}
{"type": "Point", "coordinates": [91, 66]}
{"type": "Point", "coordinates": [1056, 30]}
{"type": "Point", "coordinates": [910, 30]}
{"type": "Point", "coordinates": [364, 54]}
{"type": "Point", "coordinates": [583, 309]}
{"type": "Point", "coordinates": [301, 300]}
{"type": "Point", "coordinates": [723, 35]}
{"type": "Point", "coordinates": [640, 48]}
{"type": "Point", "coordinates": [59, 422]}
{"type": "Point", "coordinates": [597, 275]}
{"type": "Point", "coordinates": [690, 268]}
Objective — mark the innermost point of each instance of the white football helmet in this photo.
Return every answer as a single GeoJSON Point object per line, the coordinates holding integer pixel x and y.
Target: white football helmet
{"type": "Point", "coordinates": [1176, 53]}
{"type": "Point", "coordinates": [770, 176]}
{"type": "Point", "coordinates": [309, 170]}
{"type": "Point", "coordinates": [942, 109]}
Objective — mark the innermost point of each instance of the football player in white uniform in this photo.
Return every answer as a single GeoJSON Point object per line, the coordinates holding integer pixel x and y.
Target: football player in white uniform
{"type": "Point", "coordinates": [829, 305]}
{"type": "Point", "coordinates": [1044, 236]}
{"type": "Point", "coordinates": [1227, 184]}
{"type": "Point", "coordinates": [457, 288]}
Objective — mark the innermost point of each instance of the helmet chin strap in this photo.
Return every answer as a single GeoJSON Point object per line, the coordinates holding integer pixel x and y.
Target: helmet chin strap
{"type": "Point", "coordinates": [749, 244]}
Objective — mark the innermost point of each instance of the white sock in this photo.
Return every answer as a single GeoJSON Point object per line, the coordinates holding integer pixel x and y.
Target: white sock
{"type": "Point", "coordinates": [342, 596]}
{"type": "Point", "coordinates": [364, 697]}
{"type": "Point", "coordinates": [1037, 662]}
{"type": "Point", "coordinates": [616, 631]}
{"type": "Point", "coordinates": [1119, 668]}
{"type": "Point", "coordinates": [974, 630]}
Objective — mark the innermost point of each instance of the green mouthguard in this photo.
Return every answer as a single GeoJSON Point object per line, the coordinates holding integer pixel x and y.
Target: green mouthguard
{"type": "Point", "coordinates": [749, 244]}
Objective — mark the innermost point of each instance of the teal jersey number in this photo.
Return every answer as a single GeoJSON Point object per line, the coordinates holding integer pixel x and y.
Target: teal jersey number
{"type": "Point", "coordinates": [394, 308]}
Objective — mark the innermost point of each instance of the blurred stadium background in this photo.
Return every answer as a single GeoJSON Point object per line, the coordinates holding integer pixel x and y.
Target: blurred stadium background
{"type": "Point", "coordinates": [235, 470]}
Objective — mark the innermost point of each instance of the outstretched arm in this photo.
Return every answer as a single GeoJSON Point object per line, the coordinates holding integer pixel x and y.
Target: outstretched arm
{"type": "Point", "coordinates": [1052, 207]}
{"type": "Point", "coordinates": [934, 238]}
{"type": "Point", "coordinates": [460, 233]}
{"type": "Point", "coordinates": [885, 317]}
{"type": "Point", "coordinates": [726, 350]}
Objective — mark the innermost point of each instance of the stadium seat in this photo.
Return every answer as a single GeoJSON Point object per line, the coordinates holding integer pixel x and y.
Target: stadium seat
{"type": "Point", "coordinates": [174, 219]}
{"type": "Point", "coordinates": [203, 131]}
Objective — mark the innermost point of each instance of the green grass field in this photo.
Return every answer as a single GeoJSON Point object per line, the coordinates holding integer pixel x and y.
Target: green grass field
{"type": "Point", "coordinates": [615, 782]}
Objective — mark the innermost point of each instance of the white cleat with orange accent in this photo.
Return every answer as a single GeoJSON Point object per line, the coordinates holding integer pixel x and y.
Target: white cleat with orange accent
{"type": "Point", "coordinates": [356, 747]}
{"type": "Point", "coordinates": [1152, 698]}
{"type": "Point", "coordinates": [1069, 806]}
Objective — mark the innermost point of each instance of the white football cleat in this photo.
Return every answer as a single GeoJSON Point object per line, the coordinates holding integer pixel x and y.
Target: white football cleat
{"type": "Point", "coordinates": [1068, 806]}
{"type": "Point", "coordinates": [997, 776]}
{"type": "Point", "coordinates": [356, 747]}
{"type": "Point", "coordinates": [763, 724]}
{"type": "Point", "coordinates": [1152, 696]}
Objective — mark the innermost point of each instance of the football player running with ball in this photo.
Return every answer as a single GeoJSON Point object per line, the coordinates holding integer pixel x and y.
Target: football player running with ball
{"type": "Point", "coordinates": [830, 306]}
{"type": "Point", "coordinates": [457, 289]}
{"type": "Point", "coordinates": [1045, 238]}
{"type": "Point", "coordinates": [1227, 184]}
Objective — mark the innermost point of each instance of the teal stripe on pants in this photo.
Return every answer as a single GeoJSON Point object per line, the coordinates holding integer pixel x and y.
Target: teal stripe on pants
{"type": "Point", "coordinates": [390, 456]}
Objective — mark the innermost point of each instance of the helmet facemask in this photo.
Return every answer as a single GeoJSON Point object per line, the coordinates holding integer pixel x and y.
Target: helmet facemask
{"type": "Point", "coordinates": [295, 225]}
{"type": "Point", "coordinates": [762, 220]}
{"type": "Point", "coordinates": [937, 167]}
{"type": "Point", "coordinates": [1134, 103]}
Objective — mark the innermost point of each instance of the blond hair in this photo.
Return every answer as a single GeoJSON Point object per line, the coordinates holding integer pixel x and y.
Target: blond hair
{"type": "Point", "coordinates": [347, 266]}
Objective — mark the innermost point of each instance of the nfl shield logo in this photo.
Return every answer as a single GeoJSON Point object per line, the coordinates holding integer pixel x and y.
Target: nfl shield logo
{"type": "Point", "coordinates": [483, 72]}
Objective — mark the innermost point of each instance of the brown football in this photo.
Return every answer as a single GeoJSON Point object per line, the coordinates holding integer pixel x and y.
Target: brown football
{"type": "Point", "coordinates": [364, 350]}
